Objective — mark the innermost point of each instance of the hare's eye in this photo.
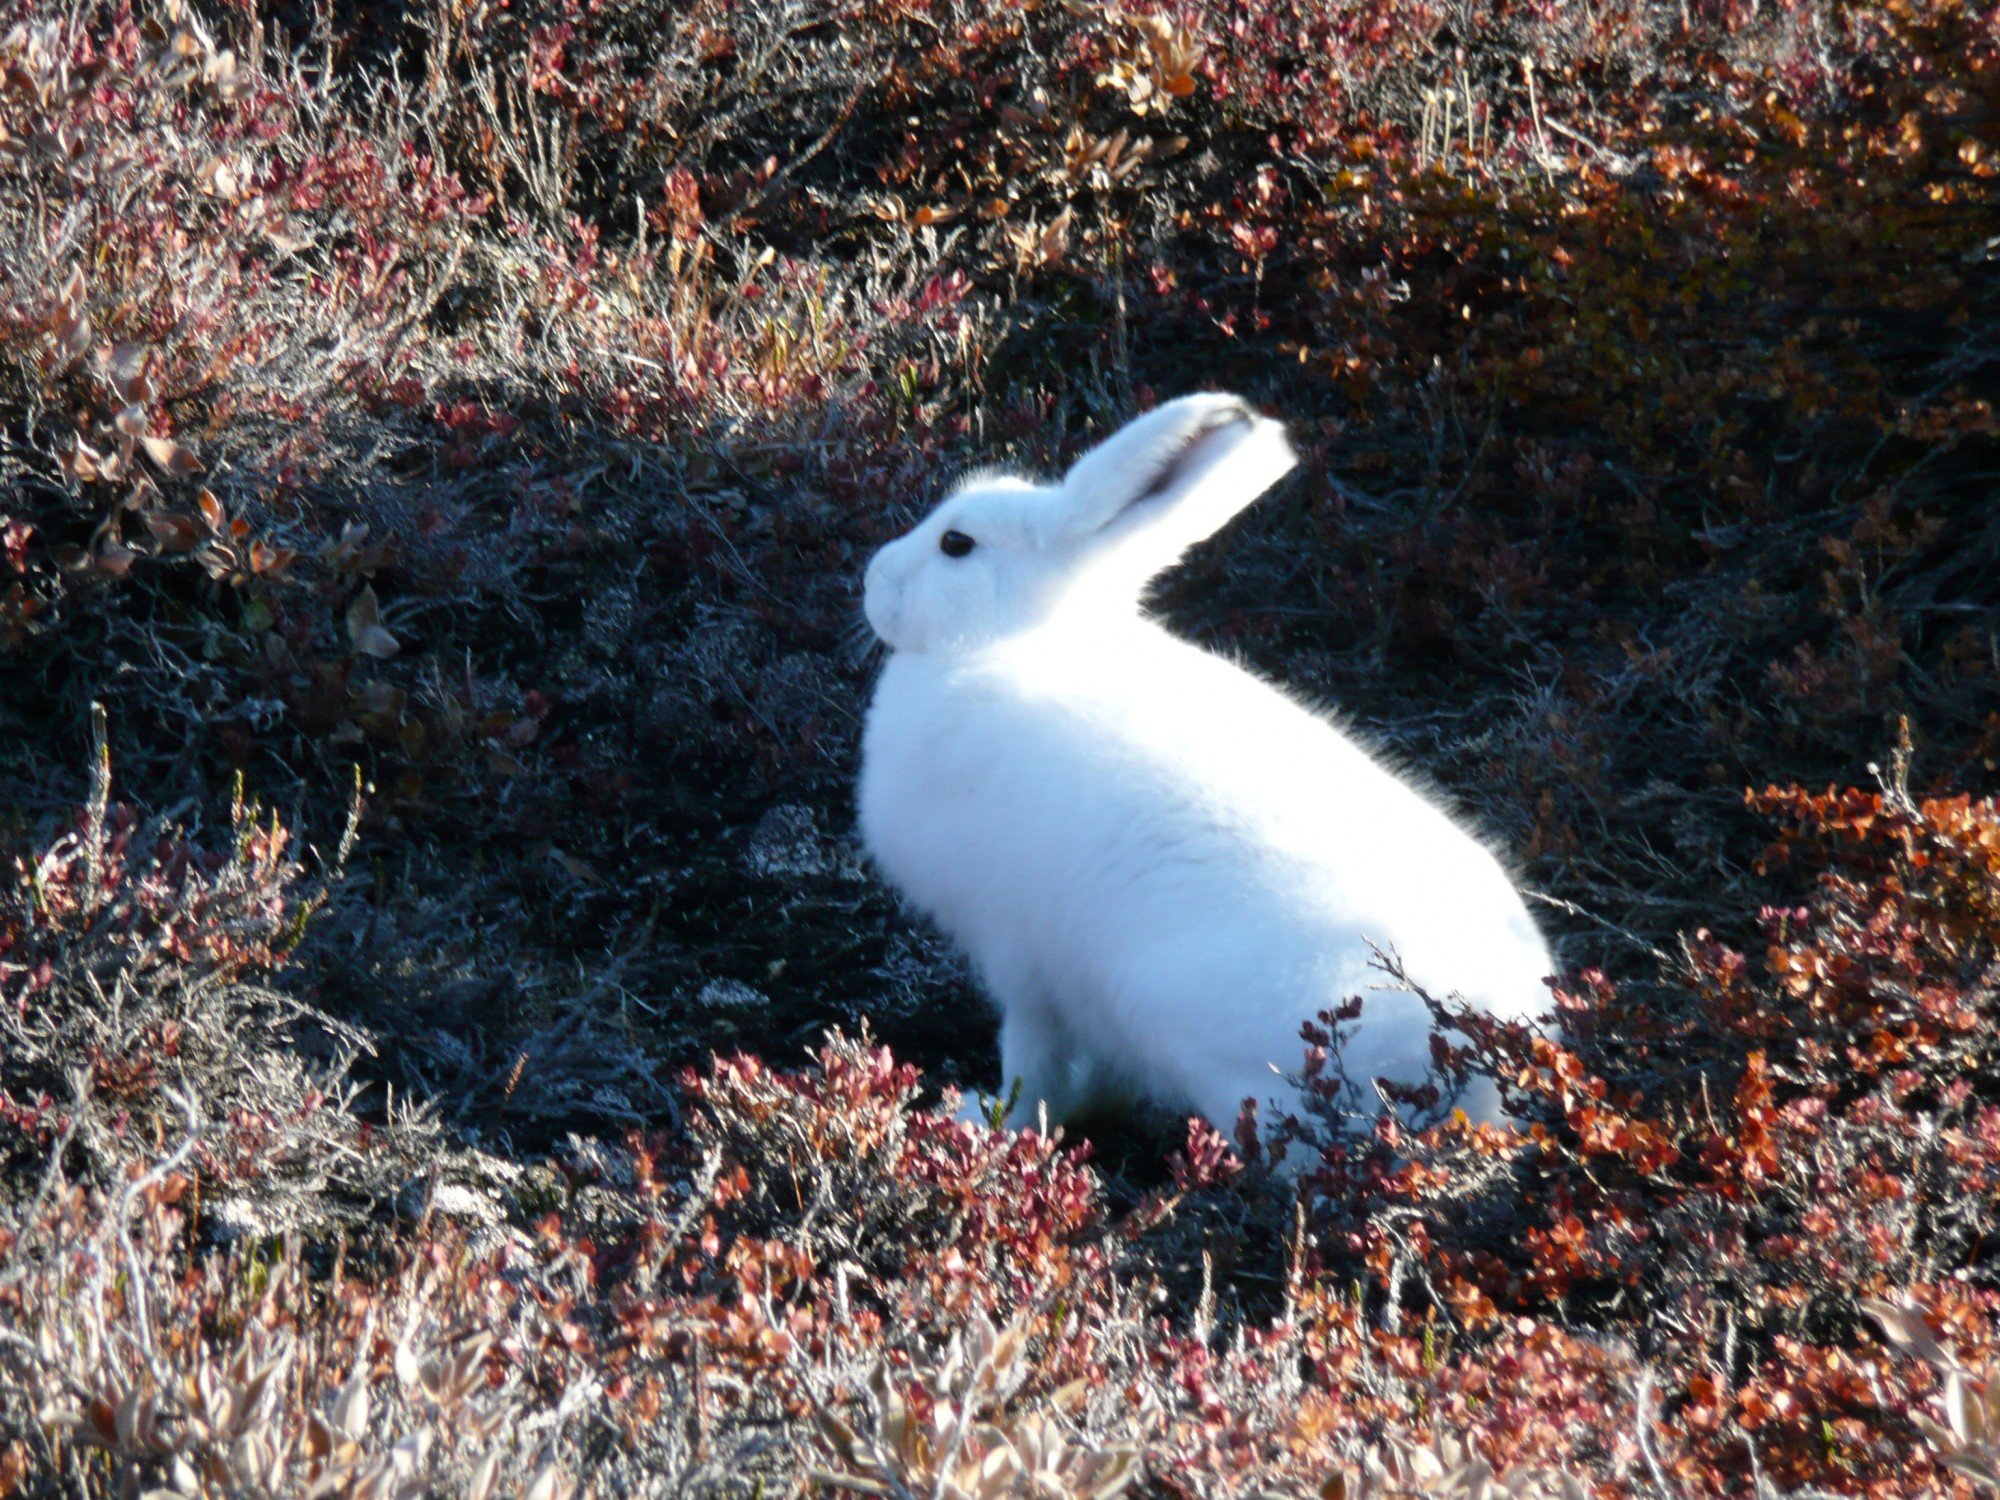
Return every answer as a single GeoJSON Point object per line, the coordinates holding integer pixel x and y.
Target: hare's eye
{"type": "Point", "coordinates": [954, 544]}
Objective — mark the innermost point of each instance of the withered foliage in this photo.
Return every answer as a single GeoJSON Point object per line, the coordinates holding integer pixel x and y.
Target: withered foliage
{"type": "Point", "coordinates": [1664, 1285]}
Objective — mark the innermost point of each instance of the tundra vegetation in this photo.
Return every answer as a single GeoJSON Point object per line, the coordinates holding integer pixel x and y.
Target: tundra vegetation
{"type": "Point", "coordinates": [447, 1041]}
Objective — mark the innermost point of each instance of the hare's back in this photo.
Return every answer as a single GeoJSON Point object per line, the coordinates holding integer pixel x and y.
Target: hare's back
{"type": "Point", "coordinates": [1233, 807]}
{"type": "Point", "coordinates": [1077, 804]}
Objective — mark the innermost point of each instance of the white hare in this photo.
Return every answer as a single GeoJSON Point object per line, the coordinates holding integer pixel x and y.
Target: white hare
{"type": "Point", "coordinates": [1159, 864]}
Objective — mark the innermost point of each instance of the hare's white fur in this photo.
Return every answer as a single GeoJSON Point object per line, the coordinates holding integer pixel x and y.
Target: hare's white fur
{"type": "Point", "coordinates": [1159, 864]}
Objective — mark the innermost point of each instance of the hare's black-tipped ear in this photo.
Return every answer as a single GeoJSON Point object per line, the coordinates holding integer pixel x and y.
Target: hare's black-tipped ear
{"type": "Point", "coordinates": [1149, 457]}
{"type": "Point", "coordinates": [1175, 475]}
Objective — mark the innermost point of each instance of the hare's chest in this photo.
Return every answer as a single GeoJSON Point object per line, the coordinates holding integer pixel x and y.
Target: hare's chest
{"type": "Point", "coordinates": [961, 791]}
{"type": "Point", "coordinates": [921, 782]}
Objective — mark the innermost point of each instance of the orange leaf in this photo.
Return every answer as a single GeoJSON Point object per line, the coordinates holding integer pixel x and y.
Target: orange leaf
{"type": "Point", "coordinates": [171, 456]}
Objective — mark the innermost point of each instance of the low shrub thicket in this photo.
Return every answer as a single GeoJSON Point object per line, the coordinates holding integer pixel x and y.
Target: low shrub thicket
{"type": "Point", "coordinates": [1745, 1246]}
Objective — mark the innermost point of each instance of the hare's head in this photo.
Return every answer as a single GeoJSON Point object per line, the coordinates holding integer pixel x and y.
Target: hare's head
{"type": "Point", "coordinates": [1000, 556]}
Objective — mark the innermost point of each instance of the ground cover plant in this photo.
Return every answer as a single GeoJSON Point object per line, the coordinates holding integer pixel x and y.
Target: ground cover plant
{"type": "Point", "coordinates": [447, 1040]}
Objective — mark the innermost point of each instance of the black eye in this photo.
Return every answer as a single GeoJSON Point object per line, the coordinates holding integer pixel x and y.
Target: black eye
{"type": "Point", "coordinates": [954, 544]}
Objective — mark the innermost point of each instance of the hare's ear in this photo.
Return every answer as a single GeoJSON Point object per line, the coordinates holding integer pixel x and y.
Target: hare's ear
{"type": "Point", "coordinates": [1173, 477]}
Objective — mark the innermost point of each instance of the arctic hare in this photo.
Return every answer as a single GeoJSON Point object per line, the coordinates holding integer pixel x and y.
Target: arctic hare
{"type": "Point", "coordinates": [1159, 864]}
